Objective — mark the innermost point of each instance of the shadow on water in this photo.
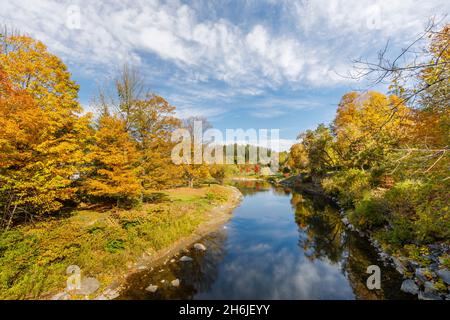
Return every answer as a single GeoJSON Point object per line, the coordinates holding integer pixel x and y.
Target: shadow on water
{"type": "Point", "coordinates": [278, 245]}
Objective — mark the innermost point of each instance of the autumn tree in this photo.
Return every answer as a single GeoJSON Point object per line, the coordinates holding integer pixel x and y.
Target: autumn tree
{"type": "Point", "coordinates": [319, 145]}
{"type": "Point", "coordinates": [419, 76]}
{"type": "Point", "coordinates": [114, 163]}
{"type": "Point", "coordinates": [366, 130]}
{"type": "Point", "coordinates": [153, 122]}
{"type": "Point", "coordinates": [39, 99]}
{"type": "Point", "coordinates": [218, 172]}
{"type": "Point", "coordinates": [149, 120]}
{"type": "Point", "coordinates": [298, 158]}
{"type": "Point", "coordinates": [194, 169]}
{"type": "Point", "coordinates": [432, 117]}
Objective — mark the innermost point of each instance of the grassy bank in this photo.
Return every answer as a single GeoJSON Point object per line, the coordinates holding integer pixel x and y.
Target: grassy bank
{"type": "Point", "coordinates": [103, 243]}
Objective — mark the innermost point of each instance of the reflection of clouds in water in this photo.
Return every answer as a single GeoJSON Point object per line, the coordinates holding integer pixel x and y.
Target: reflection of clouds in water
{"type": "Point", "coordinates": [259, 247]}
{"type": "Point", "coordinates": [265, 262]}
{"type": "Point", "coordinates": [265, 274]}
{"type": "Point", "coordinates": [264, 254]}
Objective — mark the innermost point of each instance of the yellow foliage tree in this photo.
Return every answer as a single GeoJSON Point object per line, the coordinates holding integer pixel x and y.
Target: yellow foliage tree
{"type": "Point", "coordinates": [42, 163]}
{"type": "Point", "coordinates": [114, 160]}
{"type": "Point", "coordinates": [152, 123]}
{"type": "Point", "coordinates": [298, 157]}
{"type": "Point", "coordinates": [368, 127]}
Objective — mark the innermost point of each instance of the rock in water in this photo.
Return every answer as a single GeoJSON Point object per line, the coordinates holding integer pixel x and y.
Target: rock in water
{"type": "Point", "coordinates": [420, 274]}
{"type": "Point", "coordinates": [399, 266]}
{"type": "Point", "coordinates": [151, 288]}
{"type": "Point", "coordinates": [429, 296]}
{"type": "Point", "coordinates": [176, 282]}
{"type": "Point", "coordinates": [410, 286]}
{"type": "Point", "coordinates": [185, 259]}
{"type": "Point", "coordinates": [199, 246]}
{"type": "Point", "coordinates": [444, 274]}
{"type": "Point", "coordinates": [61, 296]}
{"type": "Point", "coordinates": [88, 286]}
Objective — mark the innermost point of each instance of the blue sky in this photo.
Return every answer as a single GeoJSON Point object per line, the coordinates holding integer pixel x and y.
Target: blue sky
{"type": "Point", "coordinates": [242, 64]}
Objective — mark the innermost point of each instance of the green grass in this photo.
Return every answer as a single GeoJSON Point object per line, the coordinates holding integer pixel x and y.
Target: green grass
{"type": "Point", "coordinates": [33, 259]}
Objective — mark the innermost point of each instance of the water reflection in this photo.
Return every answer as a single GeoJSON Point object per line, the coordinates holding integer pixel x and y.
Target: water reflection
{"type": "Point", "coordinates": [278, 245]}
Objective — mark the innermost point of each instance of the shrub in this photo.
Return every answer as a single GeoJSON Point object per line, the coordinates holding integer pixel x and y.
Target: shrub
{"type": "Point", "coordinates": [115, 245]}
{"type": "Point", "coordinates": [215, 197]}
{"type": "Point", "coordinates": [403, 197]}
{"type": "Point", "coordinates": [432, 214]}
{"type": "Point", "coordinates": [401, 231]}
{"type": "Point", "coordinates": [349, 186]}
{"type": "Point", "coordinates": [370, 213]}
{"type": "Point", "coordinates": [155, 197]}
{"type": "Point", "coordinates": [424, 207]}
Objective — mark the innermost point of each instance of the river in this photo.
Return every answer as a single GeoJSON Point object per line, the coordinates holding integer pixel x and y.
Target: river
{"type": "Point", "coordinates": [279, 244]}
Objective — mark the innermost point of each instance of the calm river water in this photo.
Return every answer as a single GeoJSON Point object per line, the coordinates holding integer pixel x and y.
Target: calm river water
{"type": "Point", "coordinates": [279, 244]}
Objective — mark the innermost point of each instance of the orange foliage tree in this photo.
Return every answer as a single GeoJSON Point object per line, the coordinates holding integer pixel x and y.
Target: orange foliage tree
{"type": "Point", "coordinates": [113, 158]}
{"type": "Point", "coordinates": [42, 161]}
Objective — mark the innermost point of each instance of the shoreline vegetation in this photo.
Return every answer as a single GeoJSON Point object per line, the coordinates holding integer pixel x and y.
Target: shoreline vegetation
{"type": "Point", "coordinates": [384, 159]}
{"type": "Point", "coordinates": [425, 268]}
{"type": "Point", "coordinates": [109, 245]}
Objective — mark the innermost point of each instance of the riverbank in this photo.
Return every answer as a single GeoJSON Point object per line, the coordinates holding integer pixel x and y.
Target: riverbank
{"type": "Point", "coordinates": [425, 268]}
{"type": "Point", "coordinates": [107, 245]}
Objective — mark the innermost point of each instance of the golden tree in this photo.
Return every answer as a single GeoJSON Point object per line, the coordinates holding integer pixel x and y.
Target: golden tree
{"type": "Point", "coordinates": [367, 129]}
{"type": "Point", "coordinates": [40, 171]}
{"type": "Point", "coordinates": [114, 160]}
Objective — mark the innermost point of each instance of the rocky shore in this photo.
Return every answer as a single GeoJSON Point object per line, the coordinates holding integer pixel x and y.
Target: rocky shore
{"type": "Point", "coordinates": [427, 279]}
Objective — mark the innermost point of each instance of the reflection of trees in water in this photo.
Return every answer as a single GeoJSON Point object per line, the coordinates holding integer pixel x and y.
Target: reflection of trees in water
{"type": "Point", "coordinates": [196, 276]}
{"type": "Point", "coordinates": [360, 256]}
{"type": "Point", "coordinates": [281, 191]}
{"type": "Point", "coordinates": [323, 235]}
{"type": "Point", "coordinates": [251, 187]}
{"type": "Point", "coordinates": [201, 274]}
{"type": "Point", "coordinates": [321, 229]}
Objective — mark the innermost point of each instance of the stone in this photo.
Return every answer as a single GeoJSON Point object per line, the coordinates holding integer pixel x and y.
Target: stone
{"type": "Point", "coordinates": [429, 296]}
{"type": "Point", "coordinates": [420, 274]}
{"type": "Point", "coordinates": [151, 288]}
{"type": "Point", "coordinates": [185, 259]}
{"type": "Point", "coordinates": [175, 283]}
{"type": "Point", "coordinates": [434, 267]}
{"type": "Point", "coordinates": [172, 261]}
{"type": "Point", "coordinates": [113, 294]}
{"type": "Point", "coordinates": [399, 266]}
{"type": "Point", "coordinates": [409, 286]}
{"type": "Point", "coordinates": [88, 286]}
{"type": "Point", "coordinates": [413, 265]}
{"type": "Point", "coordinates": [384, 256]}
{"type": "Point", "coordinates": [108, 294]}
{"type": "Point", "coordinates": [61, 296]}
{"type": "Point", "coordinates": [429, 287]}
{"type": "Point", "coordinates": [444, 274]}
{"type": "Point", "coordinates": [345, 221]}
{"type": "Point", "coordinates": [199, 246]}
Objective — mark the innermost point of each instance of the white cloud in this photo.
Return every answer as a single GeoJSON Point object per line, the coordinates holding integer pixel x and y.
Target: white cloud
{"type": "Point", "coordinates": [199, 47]}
